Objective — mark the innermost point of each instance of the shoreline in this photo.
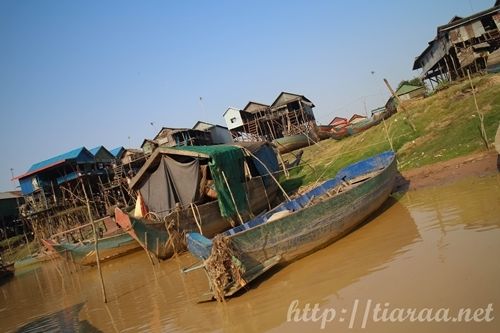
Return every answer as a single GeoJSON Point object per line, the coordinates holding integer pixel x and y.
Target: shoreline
{"type": "Point", "coordinates": [477, 164]}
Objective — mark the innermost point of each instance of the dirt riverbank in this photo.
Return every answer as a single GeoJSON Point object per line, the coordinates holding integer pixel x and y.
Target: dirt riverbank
{"type": "Point", "coordinates": [478, 164]}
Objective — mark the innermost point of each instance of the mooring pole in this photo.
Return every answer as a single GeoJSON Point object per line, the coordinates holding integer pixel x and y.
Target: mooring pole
{"type": "Point", "coordinates": [95, 244]}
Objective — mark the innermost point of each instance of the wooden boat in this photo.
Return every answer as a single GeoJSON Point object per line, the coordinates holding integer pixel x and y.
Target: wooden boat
{"type": "Point", "coordinates": [362, 125]}
{"type": "Point", "coordinates": [339, 133]}
{"type": "Point", "coordinates": [164, 235]}
{"type": "Point", "coordinates": [294, 228]}
{"type": "Point", "coordinates": [6, 271]}
{"type": "Point", "coordinates": [109, 247]}
{"type": "Point", "coordinates": [292, 142]}
{"type": "Point", "coordinates": [325, 131]}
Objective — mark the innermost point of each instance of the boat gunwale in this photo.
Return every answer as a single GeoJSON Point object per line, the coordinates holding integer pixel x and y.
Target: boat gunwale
{"type": "Point", "coordinates": [302, 209]}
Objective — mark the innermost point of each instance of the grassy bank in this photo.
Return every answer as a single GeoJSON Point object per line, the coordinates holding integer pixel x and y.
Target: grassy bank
{"type": "Point", "coordinates": [447, 126]}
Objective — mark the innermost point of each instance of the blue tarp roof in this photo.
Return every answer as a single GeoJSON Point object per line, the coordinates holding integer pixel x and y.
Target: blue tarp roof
{"type": "Point", "coordinates": [59, 158]}
{"type": "Point", "coordinates": [116, 151]}
{"type": "Point", "coordinates": [96, 149]}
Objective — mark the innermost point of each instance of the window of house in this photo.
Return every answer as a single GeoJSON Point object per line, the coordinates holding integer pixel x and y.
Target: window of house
{"type": "Point", "coordinates": [233, 120]}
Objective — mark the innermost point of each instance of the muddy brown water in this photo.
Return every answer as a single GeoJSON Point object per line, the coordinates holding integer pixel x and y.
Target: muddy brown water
{"type": "Point", "coordinates": [431, 248]}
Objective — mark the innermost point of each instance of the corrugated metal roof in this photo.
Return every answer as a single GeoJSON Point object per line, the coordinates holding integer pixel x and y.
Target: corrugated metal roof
{"type": "Point", "coordinates": [56, 159]}
{"type": "Point", "coordinates": [95, 150]}
{"type": "Point", "coordinates": [116, 151]}
{"type": "Point", "coordinates": [53, 161]}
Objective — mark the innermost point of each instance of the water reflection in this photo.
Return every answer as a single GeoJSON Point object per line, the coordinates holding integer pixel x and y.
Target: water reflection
{"type": "Point", "coordinates": [433, 247]}
{"type": "Point", "coordinates": [65, 320]}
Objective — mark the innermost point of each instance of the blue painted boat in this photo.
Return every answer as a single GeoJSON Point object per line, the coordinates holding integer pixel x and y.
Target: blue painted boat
{"type": "Point", "coordinates": [83, 253]}
{"type": "Point", "coordinates": [294, 228]}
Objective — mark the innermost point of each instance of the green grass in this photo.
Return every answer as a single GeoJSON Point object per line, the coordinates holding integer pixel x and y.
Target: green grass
{"type": "Point", "coordinates": [447, 127]}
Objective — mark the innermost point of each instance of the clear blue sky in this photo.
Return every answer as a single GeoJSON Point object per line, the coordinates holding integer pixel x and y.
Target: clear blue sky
{"type": "Point", "coordinates": [86, 73]}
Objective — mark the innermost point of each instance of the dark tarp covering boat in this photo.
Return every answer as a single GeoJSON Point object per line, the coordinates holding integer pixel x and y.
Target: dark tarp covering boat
{"type": "Point", "coordinates": [171, 183]}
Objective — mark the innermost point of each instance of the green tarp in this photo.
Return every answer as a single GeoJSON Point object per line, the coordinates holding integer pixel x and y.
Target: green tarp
{"type": "Point", "coordinates": [228, 160]}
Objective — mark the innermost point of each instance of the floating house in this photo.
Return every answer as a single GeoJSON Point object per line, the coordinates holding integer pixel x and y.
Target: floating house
{"type": "Point", "coordinates": [339, 122]}
{"type": "Point", "coordinates": [408, 91]}
{"type": "Point", "coordinates": [219, 134]}
{"type": "Point", "coordinates": [460, 46]}
{"type": "Point", "coordinates": [56, 190]}
{"type": "Point", "coordinates": [172, 137]}
{"type": "Point", "coordinates": [356, 118]}
{"type": "Point", "coordinates": [289, 114]}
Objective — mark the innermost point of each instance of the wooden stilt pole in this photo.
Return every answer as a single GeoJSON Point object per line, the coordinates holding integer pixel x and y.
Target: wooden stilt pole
{"type": "Point", "coordinates": [96, 244]}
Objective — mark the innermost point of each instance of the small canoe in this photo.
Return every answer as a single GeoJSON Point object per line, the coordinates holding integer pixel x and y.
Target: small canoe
{"type": "Point", "coordinates": [295, 228]}
{"type": "Point", "coordinates": [83, 253]}
{"type": "Point", "coordinates": [290, 143]}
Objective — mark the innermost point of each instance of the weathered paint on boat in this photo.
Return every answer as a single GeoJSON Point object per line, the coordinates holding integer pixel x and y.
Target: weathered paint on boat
{"type": "Point", "coordinates": [109, 247]}
{"type": "Point", "coordinates": [311, 221]}
{"type": "Point", "coordinates": [292, 142]}
{"type": "Point", "coordinates": [154, 237]}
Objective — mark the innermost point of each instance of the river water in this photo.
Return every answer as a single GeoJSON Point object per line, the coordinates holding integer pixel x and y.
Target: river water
{"type": "Point", "coordinates": [432, 248]}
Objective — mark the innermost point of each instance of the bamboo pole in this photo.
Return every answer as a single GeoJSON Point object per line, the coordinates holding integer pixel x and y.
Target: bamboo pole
{"type": "Point", "coordinates": [146, 248]}
{"type": "Point", "coordinates": [410, 122]}
{"type": "Point", "coordinates": [481, 115]}
{"type": "Point", "coordinates": [95, 244]}
{"type": "Point", "coordinates": [269, 172]}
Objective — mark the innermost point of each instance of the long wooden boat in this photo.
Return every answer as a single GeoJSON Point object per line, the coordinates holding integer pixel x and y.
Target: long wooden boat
{"type": "Point", "coordinates": [292, 142]}
{"type": "Point", "coordinates": [325, 131]}
{"type": "Point", "coordinates": [339, 133]}
{"type": "Point", "coordinates": [362, 125]}
{"type": "Point", "coordinates": [6, 271]}
{"type": "Point", "coordinates": [163, 238]}
{"type": "Point", "coordinates": [209, 210]}
{"type": "Point", "coordinates": [294, 228]}
{"type": "Point", "coordinates": [113, 246]}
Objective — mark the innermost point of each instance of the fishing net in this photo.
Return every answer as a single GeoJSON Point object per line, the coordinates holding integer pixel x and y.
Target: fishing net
{"type": "Point", "coordinates": [176, 238]}
{"type": "Point", "coordinates": [223, 267]}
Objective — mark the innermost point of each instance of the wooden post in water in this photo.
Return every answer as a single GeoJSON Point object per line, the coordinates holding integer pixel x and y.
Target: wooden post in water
{"type": "Point", "coordinates": [146, 248]}
{"type": "Point", "coordinates": [95, 243]}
